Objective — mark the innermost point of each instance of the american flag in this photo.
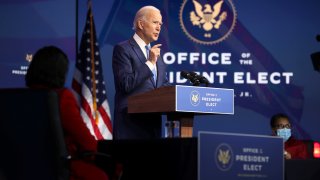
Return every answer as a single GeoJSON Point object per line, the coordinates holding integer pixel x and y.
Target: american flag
{"type": "Point", "coordinates": [89, 86]}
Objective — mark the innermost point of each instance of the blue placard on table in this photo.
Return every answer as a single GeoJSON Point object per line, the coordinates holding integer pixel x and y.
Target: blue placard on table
{"type": "Point", "coordinates": [204, 99]}
{"type": "Point", "coordinates": [231, 156]}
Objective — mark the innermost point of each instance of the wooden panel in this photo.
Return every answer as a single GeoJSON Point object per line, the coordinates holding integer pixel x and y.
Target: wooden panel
{"type": "Point", "coordinates": [158, 100]}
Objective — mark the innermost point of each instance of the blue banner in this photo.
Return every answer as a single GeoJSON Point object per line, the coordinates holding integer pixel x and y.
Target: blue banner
{"type": "Point", "coordinates": [28, 25]}
{"type": "Point", "coordinates": [204, 100]}
{"type": "Point", "coordinates": [267, 64]}
{"type": "Point", "coordinates": [239, 156]}
{"type": "Point", "coordinates": [213, 39]}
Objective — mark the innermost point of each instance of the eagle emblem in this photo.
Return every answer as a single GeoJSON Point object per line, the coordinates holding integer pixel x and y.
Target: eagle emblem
{"type": "Point", "coordinates": [195, 97]}
{"type": "Point", "coordinates": [224, 157]}
{"type": "Point", "coordinates": [29, 57]}
{"type": "Point", "coordinates": [207, 17]}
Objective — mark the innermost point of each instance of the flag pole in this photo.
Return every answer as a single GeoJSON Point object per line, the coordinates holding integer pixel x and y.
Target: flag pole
{"type": "Point", "coordinates": [77, 29]}
{"type": "Point", "coordinates": [92, 51]}
{"type": "Point", "coordinates": [88, 83]}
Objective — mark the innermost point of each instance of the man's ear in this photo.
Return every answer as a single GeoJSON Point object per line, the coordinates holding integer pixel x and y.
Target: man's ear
{"type": "Point", "coordinates": [140, 24]}
{"type": "Point", "coordinates": [274, 132]}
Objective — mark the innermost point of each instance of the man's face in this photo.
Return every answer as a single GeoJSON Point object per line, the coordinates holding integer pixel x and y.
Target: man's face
{"type": "Point", "coordinates": [151, 26]}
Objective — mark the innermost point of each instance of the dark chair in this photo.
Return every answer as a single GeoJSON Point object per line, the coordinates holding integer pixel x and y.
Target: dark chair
{"type": "Point", "coordinates": [31, 137]}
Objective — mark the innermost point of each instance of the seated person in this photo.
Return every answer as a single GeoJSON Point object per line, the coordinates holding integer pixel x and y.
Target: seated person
{"type": "Point", "coordinates": [48, 70]}
{"type": "Point", "coordinates": [293, 148]}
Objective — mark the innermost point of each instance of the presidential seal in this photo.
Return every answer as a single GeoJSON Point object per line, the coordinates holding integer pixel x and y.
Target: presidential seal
{"type": "Point", "coordinates": [207, 21]}
{"type": "Point", "coordinates": [224, 157]}
{"type": "Point", "coordinates": [195, 98]}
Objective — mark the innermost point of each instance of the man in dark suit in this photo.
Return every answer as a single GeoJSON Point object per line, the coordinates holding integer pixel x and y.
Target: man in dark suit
{"type": "Point", "coordinates": [137, 68]}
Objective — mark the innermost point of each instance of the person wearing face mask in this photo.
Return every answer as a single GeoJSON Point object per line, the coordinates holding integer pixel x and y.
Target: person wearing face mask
{"type": "Point", "coordinates": [293, 148]}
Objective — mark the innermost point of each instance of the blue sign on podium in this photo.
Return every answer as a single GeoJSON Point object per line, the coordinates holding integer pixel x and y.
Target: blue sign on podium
{"type": "Point", "coordinates": [233, 156]}
{"type": "Point", "coordinates": [204, 99]}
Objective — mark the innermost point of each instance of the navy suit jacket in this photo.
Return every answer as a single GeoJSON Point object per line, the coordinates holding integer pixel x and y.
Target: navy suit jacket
{"type": "Point", "coordinates": [132, 76]}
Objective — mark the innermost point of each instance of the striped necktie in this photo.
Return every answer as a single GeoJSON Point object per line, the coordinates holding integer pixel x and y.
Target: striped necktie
{"type": "Point", "coordinates": [154, 71]}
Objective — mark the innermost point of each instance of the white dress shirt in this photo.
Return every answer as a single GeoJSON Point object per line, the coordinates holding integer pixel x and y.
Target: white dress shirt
{"type": "Point", "coordinates": [142, 46]}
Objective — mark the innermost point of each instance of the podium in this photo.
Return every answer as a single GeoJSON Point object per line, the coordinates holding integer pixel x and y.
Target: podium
{"type": "Point", "coordinates": [182, 103]}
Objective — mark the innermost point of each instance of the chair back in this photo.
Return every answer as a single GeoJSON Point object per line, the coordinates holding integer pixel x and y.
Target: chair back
{"type": "Point", "coordinates": [31, 136]}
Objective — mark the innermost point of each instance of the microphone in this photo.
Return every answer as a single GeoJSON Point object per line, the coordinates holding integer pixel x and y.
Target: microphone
{"type": "Point", "coordinates": [195, 81]}
{"type": "Point", "coordinates": [201, 79]}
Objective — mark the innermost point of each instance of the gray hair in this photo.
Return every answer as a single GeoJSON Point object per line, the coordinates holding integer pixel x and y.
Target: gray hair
{"type": "Point", "coordinates": [141, 15]}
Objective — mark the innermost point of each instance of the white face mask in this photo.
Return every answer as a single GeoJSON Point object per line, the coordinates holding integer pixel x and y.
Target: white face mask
{"type": "Point", "coordinates": [285, 133]}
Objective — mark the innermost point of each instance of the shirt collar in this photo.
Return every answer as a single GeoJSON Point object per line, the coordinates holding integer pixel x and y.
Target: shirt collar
{"type": "Point", "coordinates": [141, 43]}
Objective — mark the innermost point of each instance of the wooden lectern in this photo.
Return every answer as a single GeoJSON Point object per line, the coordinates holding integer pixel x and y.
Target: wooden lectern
{"type": "Point", "coordinates": [162, 100]}
{"type": "Point", "coordinates": [181, 103]}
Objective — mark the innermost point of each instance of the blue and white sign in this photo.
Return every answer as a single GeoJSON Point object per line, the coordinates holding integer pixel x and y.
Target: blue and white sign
{"type": "Point", "coordinates": [239, 156]}
{"type": "Point", "coordinates": [204, 99]}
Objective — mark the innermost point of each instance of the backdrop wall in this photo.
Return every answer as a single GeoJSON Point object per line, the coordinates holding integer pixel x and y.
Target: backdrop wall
{"type": "Point", "coordinates": [259, 48]}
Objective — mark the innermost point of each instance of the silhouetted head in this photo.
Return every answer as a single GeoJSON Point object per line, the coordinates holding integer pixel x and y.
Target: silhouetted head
{"type": "Point", "coordinates": [48, 68]}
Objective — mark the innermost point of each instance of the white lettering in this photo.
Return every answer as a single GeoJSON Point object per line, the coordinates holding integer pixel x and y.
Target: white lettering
{"type": "Point", "coordinates": [182, 57]}
{"type": "Point", "coordinates": [194, 57]}
{"type": "Point", "coordinates": [287, 75]}
{"type": "Point", "coordinates": [262, 78]}
{"type": "Point", "coordinates": [238, 77]}
{"type": "Point", "coordinates": [225, 58]}
{"type": "Point", "coordinates": [252, 167]}
{"type": "Point", "coordinates": [212, 58]}
{"type": "Point", "coordinates": [169, 58]}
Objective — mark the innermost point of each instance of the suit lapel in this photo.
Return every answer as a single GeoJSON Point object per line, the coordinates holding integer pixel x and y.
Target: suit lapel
{"type": "Point", "coordinates": [137, 50]}
{"type": "Point", "coordinates": [140, 56]}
